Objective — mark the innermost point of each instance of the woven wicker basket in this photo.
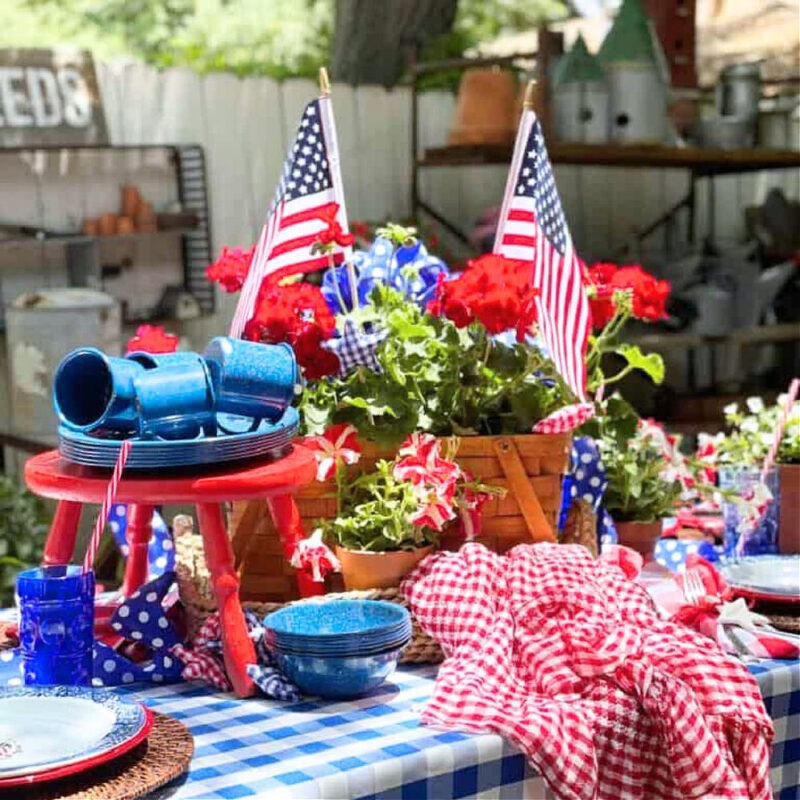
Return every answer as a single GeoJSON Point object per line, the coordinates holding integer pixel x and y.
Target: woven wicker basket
{"type": "Point", "coordinates": [529, 467]}
{"type": "Point", "coordinates": [198, 600]}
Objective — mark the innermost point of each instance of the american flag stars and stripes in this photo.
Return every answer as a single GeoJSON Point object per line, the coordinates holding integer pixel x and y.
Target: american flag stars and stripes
{"type": "Point", "coordinates": [532, 227]}
{"type": "Point", "coordinates": [308, 195]}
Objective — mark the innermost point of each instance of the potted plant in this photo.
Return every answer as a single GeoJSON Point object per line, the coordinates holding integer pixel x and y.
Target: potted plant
{"type": "Point", "coordinates": [394, 344]}
{"type": "Point", "coordinates": [646, 476]}
{"type": "Point", "coordinates": [761, 505]}
{"type": "Point", "coordinates": [389, 519]}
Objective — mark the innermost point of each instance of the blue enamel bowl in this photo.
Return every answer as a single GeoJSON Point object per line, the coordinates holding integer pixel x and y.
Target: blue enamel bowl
{"type": "Point", "coordinates": [338, 678]}
{"type": "Point", "coordinates": [337, 619]}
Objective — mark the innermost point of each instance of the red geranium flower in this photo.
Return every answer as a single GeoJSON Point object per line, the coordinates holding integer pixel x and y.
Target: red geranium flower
{"type": "Point", "coordinates": [334, 233]}
{"type": "Point", "coordinates": [648, 294]}
{"type": "Point", "coordinates": [152, 339]}
{"type": "Point", "coordinates": [299, 315]}
{"type": "Point", "coordinates": [494, 291]}
{"type": "Point", "coordinates": [231, 268]}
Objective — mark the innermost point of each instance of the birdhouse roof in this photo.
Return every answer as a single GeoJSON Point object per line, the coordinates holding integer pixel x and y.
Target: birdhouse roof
{"type": "Point", "coordinates": [579, 66]}
{"type": "Point", "coordinates": [630, 37]}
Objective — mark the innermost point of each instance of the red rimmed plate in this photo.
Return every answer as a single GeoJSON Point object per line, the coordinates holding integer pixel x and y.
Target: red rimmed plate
{"type": "Point", "coordinates": [772, 578]}
{"type": "Point", "coordinates": [50, 732]}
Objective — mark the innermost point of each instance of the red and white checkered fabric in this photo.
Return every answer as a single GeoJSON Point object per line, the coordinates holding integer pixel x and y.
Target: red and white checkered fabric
{"type": "Point", "coordinates": [567, 657]}
{"type": "Point", "coordinates": [565, 419]}
{"type": "Point", "coordinates": [203, 659]}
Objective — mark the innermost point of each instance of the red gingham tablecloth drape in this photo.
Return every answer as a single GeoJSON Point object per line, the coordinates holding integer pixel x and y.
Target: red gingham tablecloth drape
{"type": "Point", "coordinates": [567, 657]}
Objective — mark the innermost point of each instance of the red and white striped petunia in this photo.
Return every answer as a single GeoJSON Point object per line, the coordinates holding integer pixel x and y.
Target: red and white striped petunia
{"type": "Point", "coordinates": [314, 556]}
{"type": "Point", "coordinates": [339, 444]}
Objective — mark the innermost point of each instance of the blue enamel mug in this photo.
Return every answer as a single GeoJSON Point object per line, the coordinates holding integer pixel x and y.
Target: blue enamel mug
{"type": "Point", "coordinates": [153, 360]}
{"type": "Point", "coordinates": [176, 400]}
{"type": "Point", "coordinates": [252, 379]}
{"type": "Point", "coordinates": [94, 391]}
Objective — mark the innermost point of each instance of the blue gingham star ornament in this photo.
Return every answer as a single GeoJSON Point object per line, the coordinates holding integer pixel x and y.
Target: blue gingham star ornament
{"type": "Point", "coordinates": [356, 348]}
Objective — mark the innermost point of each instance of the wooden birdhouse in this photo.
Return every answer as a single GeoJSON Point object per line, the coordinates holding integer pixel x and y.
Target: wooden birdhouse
{"type": "Point", "coordinates": [580, 97]}
{"type": "Point", "coordinates": [635, 67]}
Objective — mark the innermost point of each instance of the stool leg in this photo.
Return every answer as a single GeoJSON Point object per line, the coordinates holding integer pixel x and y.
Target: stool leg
{"type": "Point", "coordinates": [237, 646]}
{"type": "Point", "coordinates": [60, 544]}
{"type": "Point", "coordinates": [286, 517]}
{"type": "Point", "coordinates": [138, 534]}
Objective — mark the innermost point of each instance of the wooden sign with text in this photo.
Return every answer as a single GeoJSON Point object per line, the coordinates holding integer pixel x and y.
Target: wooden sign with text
{"type": "Point", "coordinates": [49, 97]}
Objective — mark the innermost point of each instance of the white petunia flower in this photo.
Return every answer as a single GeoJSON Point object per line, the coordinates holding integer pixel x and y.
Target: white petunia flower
{"type": "Point", "coordinates": [755, 404]}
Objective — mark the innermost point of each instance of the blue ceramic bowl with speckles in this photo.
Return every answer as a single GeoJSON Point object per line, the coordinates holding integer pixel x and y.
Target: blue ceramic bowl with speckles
{"type": "Point", "coordinates": [338, 678]}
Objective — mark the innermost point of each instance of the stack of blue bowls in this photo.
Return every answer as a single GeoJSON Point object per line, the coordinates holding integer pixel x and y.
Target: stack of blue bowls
{"type": "Point", "coordinates": [338, 648]}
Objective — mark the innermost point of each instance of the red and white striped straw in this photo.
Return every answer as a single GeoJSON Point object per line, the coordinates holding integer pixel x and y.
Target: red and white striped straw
{"type": "Point", "coordinates": [108, 501]}
{"type": "Point", "coordinates": [783, 416]}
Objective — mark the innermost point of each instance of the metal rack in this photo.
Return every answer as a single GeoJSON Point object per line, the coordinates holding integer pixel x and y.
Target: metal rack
{"type": "Point", "coordinates": [192, 191]}
{"type": "Point", "coordinates": [700, 162]}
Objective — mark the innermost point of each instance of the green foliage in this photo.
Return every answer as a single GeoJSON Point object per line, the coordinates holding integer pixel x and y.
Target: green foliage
{"type": "Point", "coordinates": [637, 488]}
{"type": "Point", "coordinates": [751, 431]}
{"type": "Point", "coordinates": [481, 21]}
{"type": "Point", "coordinates": [652, 364]}
{"type": "Point", "coordinates": [279, 38]}
{"type": "Point", "coordinates": [374, 514]}
{"type": "Point", "coordinates": [22, 534]}
{"type": "Point", "coordinates": [436, 378]}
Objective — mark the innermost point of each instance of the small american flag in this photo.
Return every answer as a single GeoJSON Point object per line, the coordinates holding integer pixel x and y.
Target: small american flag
{"type": "Point", "coordinates": [532, 227]}
{"type": "Point", "coordinates": [308, 195]}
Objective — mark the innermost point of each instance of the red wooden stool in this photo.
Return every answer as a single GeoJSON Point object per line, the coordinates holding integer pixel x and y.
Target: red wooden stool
{"type": "Point", "coordinates": [49, 475]}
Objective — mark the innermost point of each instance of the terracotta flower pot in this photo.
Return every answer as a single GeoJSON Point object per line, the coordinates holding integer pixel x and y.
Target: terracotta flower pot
{"type": "Point", "coordinates": [639, 536]}
{"type": "Point", "coordinates": [362, 569]}
{"type": "Point", "coordinates": [485, 109]}
{"type": "Point", "coordinates": [789, 508]}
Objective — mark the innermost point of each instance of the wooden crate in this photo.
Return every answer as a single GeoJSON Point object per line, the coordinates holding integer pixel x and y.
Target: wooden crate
{"type": "Point", "coordinates": [529, 467]}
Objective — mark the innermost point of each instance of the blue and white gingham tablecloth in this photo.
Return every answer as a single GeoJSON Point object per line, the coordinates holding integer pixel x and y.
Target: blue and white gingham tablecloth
{"type": "Point", "coordinates": [376, 747]}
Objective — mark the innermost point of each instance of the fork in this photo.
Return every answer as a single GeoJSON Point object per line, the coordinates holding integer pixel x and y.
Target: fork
{"type": "Point", "coordinates": [693, 588]}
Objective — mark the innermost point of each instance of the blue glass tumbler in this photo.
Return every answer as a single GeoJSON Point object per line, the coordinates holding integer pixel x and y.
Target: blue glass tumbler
{"type": "Point", "coordinates": [764, 537]}
{"type": "Point", "coordinates": [56, 625]}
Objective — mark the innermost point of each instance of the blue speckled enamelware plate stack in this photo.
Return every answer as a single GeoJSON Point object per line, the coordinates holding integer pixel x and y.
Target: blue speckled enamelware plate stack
{"type": "Point", "coordinates": [265, 440]}
{"type": "Point", "coordinates": [338, 648]}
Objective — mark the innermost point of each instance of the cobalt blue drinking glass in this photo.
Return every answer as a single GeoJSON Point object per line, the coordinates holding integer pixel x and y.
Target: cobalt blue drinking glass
{"type": "Point", "coordinates": [764, 538]}
{"type": "Point", "coordinates": [56, 625]}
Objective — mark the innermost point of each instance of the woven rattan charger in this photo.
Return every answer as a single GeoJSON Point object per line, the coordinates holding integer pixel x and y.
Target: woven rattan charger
{"type": "Point", "coordinates": [154, 763]}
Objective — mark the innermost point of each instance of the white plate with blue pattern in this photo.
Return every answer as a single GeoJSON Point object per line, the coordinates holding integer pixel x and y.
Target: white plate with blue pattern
{"type": "Point", "coordinates": [48, 732]}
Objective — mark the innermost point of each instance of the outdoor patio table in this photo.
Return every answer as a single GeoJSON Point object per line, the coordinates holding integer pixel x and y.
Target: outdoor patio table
{"type": "Point", "coordinates": [376, 747]}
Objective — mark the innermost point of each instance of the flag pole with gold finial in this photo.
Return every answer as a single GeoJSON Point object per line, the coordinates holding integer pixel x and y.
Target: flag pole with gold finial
{"type": "Point", "coordinates": [329, 127]}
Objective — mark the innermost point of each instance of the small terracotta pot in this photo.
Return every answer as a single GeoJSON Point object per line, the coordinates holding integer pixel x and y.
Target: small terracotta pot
{"type": "Point", "coordinates": [362, 569]}
{"type": "Point", "coordinates": [639, 536]}
{"type": "Point", "coordinates": [125, 225]}
{"type": "Point", "coordinates": [131, 200]}
{"type": "Point", "coordinates": [89, 227]}
{"type": "Point", "coordinates": [107, 224]}
{"type": "Point", "coordinates": [789, 508]}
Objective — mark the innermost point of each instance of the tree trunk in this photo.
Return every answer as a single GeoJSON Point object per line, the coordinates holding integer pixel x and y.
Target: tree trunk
{"type": "Point", "coordinates": [371, 39]}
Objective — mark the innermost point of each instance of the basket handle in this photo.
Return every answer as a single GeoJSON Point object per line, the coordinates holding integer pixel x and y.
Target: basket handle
{"type": "Point", "coordinates": [514, 470]}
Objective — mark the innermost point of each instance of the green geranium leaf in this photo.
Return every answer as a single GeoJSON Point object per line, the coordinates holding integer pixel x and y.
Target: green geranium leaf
{"type": "Point", "coordinates": [651, 364]}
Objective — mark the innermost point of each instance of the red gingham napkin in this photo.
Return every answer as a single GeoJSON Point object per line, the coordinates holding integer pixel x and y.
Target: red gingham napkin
{"type": "Point", "coordinates": [565, 419]}
{"type": "Point", "coordinates": [567, 657]}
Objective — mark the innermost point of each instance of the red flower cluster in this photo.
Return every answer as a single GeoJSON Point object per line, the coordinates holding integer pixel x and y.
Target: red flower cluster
{"type": "Point", "coordinates": [441, 486]}
{"type": "Point", "coordinates": [334, 233]}
{"type": "Point", "coordinates": [299, 315]}
{"type": "Point", "coordinates": [230, 269]}
{"type": "Point", "coordinates": [648, 294]}
{"type": "Point", "coordinates": [495, 291]}
{"type": "Point", "coordinates": [152, 339]}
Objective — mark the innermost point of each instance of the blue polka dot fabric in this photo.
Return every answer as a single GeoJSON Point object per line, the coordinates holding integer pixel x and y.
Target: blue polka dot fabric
{"type": "Point", "coordinates": [672, 553]}
{"type": "Point", "coordinates": [161, 549]}
{"type": "Point", "coordinates": [141, 619]}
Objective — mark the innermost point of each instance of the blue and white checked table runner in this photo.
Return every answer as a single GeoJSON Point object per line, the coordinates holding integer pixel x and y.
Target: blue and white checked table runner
{"type": "Point", "coordinates": [376, 747]}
